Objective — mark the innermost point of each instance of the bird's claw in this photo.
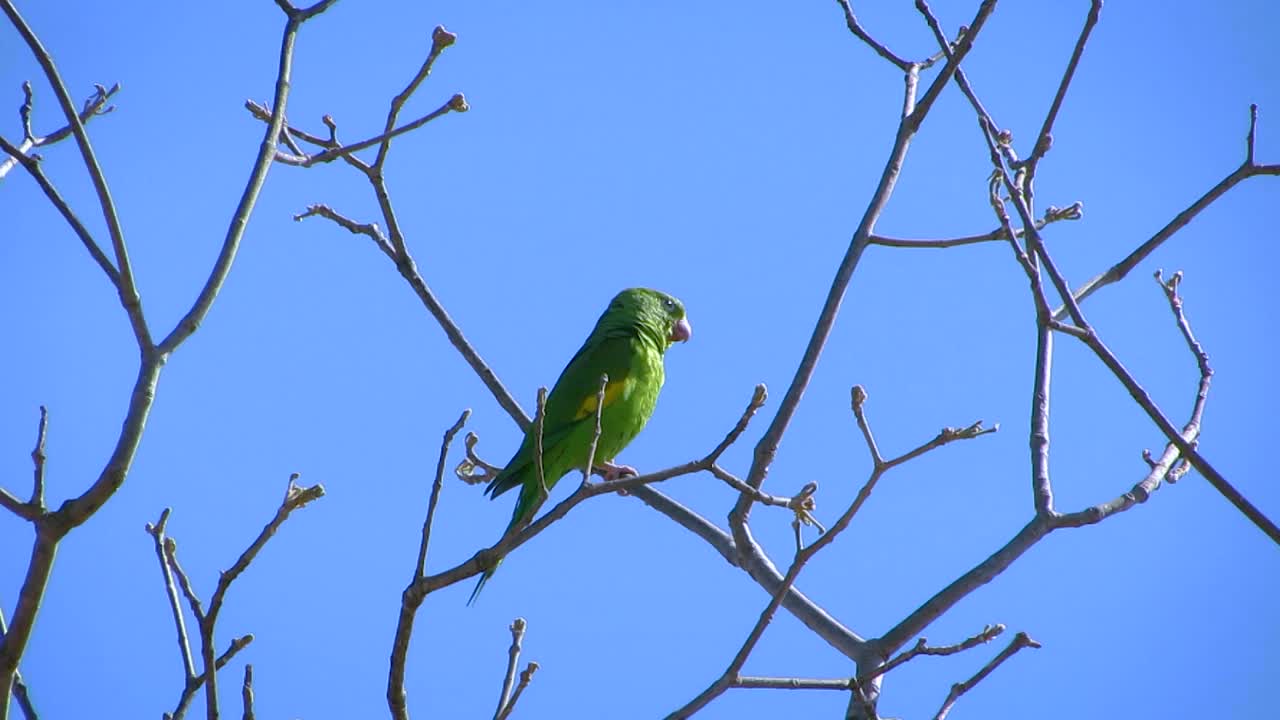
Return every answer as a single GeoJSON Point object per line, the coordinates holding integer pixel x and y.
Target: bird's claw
{"type": "Point", "coordinates": [611, 472]}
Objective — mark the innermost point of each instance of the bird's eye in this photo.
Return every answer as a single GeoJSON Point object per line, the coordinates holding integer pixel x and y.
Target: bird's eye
{"type": "Point", "coordinates": [669, 304]}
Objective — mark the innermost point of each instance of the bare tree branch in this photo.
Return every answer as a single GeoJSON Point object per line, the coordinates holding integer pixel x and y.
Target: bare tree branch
{"type": "Point", "coordinates": [436, 487]}
{"type": "Point", "coordinates": [1045, 139]}
{"type": "Point", "coordinates": [32, 165]}
{"type": "Point", "coordinates": [1118, 271]}
{"type": "Point", "coordinates": [369, 229]}
{"type": "Point", "coordinates": [856, 28]}
{"type": "Point", "coordinates": [913, 116]}
{"type": "Point", "coordinates": [246, 692]}
{"type": "Point", "coordinates": [295, 497]}
{"type": "Point", "coordinates": [1162, 469]}
{"type": "Point", "coordinates": [440, 39]}
{"type": "Point", "coordinates": [194, 684]}
{"type": "Point", "coordinates": [20, 692]}
{"type": "Point", "coordinates": [1075, 211]}
{"type": "Point", "coordinates": [988, 633]}
{"type": "Point", "coordinates": [404, 628]}
{"type": "Point", "coordinates": [525, 678]}
{"type": "Point", "coordinates": [750, 682]}
{"type": "Point", "coordinates": [731, 674]}
{"type": "Point", "coordinates": [1021, 640]}
{"type": "Point", "coordinates": [128, 293]}
{"type": "Point", "coordinates": [156, 532]}
{"type": "Point", "coordinates": [94, 106]}
{"type": "Point", "coordinates": [518, 627]}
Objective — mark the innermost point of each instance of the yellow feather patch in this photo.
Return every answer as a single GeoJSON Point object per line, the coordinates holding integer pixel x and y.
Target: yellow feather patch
{"type": "Point", "coordinates": [611, 392]}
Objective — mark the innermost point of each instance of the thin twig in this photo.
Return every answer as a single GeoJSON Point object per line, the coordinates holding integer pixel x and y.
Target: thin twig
{"type": "Point", "coordinates": [791, 683]}
{"type": "Point", "coordinates": [257, 177]}
{"type": "Point", "coordinates": [914, 114]}
{"type": "Point", "coordinates": [246, 692]}
{"type": "Point", "coordinates": [32, 166]}
{"type": "Point", "coordinates": [436, 487]}
{"type": "Point", "coordinates": [1021, 640]}
{"type": "Point", "coordinates": [440, 39]}
{"type": "Point", "coordinates": [457, 103]}
{"type": "Point", "coordinates": [128, 292]}
{"type": "Point", "coordinates": [526, 676]}
{"type": "Point", "coordinates": [194, 684]}
{"type": "Point", "coordinates": [1052, 214]}
{"type": "Point", "coordinates": [368, 229]}
{"type": "Point", "coordinates": [1249, 168]}
{"type": "Point", "coordinates": [1251, 139]}
{"type": "Point", "coordinates": [37, 459]}
{"type": "Point", "coordinates": [856, 28]}
{"type": "Point", "coordinates": [922, 647]}
{"type": "Point", "coordinates": [295, 497]}
{"type": "Point", "coordinates": [94, 106]}
{"type": "Point", "coordinates": [20, 691]}
{"type": "Point", "coordinates": [730, 675]}
{"type": "Point", "coordinates": [156, 532]}
{"type": "Point", "coordinates": [52, 527]}
{"type": "Point", "coordinates": [1045, 139]}
{"type": "Point", "coordinates": [595, 431]}
{"type": "Point", "coordinates": [517, 628]}
{"type": "Point", "coordinates": [408, 611]}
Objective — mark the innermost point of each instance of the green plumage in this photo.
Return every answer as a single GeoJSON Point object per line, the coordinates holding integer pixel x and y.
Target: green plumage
{"type": "Point", "coordinates": [627, 344]}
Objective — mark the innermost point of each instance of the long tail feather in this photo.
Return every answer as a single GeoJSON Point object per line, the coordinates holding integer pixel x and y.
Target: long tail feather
{"type": "Point", "coordinates": [484, 578]}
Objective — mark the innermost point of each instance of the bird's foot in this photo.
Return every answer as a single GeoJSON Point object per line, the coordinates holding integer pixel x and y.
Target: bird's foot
{"type": "Point", "coordinates": [611, 472]}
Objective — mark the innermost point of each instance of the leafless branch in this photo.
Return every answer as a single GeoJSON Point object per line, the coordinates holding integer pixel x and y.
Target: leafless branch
{"type": "Point", "coordinates": [20, 692]}
{"type": "Point", "coordinates": [595, 431]}
{"type": "Point", "coordinates": [526, 676]}
{"type": "Point", "coordinates": [156, 532]}
{"type": "Point", "coordinates": [37, 459]}
{"type": "Point", "coordinates": [1075, 211]}
{"type": "Point", "coordinates": [34, 508]}
{"type": "Point", "coordinates": [1021, 640]}
{"type": "Point", "coordinates": [1164, 468]}
{"type": "Point", "coordinates": [436, 487]}
{"type": "Point", "coordinates": [1248, 169]}
{"type": "Point", "coordinates": [981, 574]}
{"type": "Point", "coordinates": [856, 28]}
{"type": "Point", "coordinates": [518, 627]}
{"type": "Point", "coordinates": [440, 39]}
{"type": "Point", "coordinates": [128, 293]}
{"type": "Point", "coordinates": [295, 497]}
{"type": "Point", "coordinates": [369, 229]}
{"type": "Point", "coordinates": [1175, 437]}
{"type": "Point", "coordinates": [1251, 138]}
{"type": "Point", "coordinates": [792, 683]}
{"type": "Point", "coordinates": [988, 633]}
{"type": "Point", "coordinates": [246, 692]}
{"type": "Point", "coordinates": [32, 165]}
{"type": "Point", "coordinates": [731, 674]}
{"type": "Point", "coordinates": [95, 105]}
{"type": "Point", "coordinates": [196, 682]}
{"type": "Point", "coordinates": [457, 103]}
{"type": "Point", "coordinates": [1045, 139]}
{"type": "Point", "coordinates": [913, 115]}
{"type": "Point", "coordinates": [404, 628]}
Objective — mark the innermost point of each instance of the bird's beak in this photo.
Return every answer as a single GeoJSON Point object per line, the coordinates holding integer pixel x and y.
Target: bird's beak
{"type": "Point", "coordinates": [682, 331]}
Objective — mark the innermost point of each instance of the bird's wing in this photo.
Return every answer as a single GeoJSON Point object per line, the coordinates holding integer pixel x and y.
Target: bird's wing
{"type": "Point", "coordinates": [571, 405]}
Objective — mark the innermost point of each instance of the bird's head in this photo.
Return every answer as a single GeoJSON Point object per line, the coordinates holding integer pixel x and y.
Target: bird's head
{"type": "Point", "coordinates": [656, 311]}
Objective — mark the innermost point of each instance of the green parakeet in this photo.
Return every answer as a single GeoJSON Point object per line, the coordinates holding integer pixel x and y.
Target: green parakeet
{"type": "Point", "coordinates": [627, 344]}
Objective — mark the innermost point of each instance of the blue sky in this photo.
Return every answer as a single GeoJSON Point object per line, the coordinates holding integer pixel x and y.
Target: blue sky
{"type": "Point", "coordinates": [722, 152]}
